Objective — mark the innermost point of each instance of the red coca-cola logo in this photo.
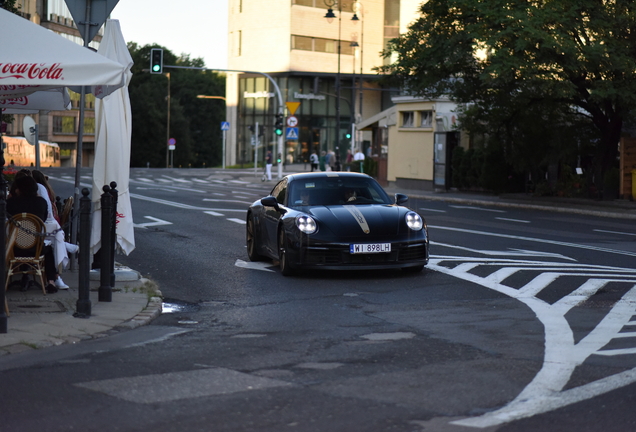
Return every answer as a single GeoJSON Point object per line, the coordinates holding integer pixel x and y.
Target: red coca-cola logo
{"type": "Point", "coordinates": [31, 71]}
{"type": "Point", "coordinates": [24, 100]}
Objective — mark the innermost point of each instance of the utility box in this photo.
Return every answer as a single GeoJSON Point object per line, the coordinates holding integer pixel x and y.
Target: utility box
{"type": "Point", "coordinates": [628, 168]}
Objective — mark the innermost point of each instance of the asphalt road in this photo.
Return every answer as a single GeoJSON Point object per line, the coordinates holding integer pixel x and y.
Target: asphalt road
{"type": "Point", "coordinates": [522, 321]}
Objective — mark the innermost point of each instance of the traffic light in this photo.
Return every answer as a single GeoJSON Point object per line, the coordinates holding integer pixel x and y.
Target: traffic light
{"type": "Point", "coordinates": [348, 135]}
{"type": "Point", "coordinates": [156, 60]}
{"type": "Point", "coordinates": [278, 128]}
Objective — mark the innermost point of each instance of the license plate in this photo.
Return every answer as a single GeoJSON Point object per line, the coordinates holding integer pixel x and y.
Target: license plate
{"type": "Point", "coordinates": [369, 248]}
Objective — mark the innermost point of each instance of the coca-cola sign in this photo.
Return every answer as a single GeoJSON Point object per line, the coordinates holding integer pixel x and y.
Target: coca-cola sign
{"type": "Point", "coordinates": [19, 101]}
{"type": "Point", "coordinates": [31, 71]}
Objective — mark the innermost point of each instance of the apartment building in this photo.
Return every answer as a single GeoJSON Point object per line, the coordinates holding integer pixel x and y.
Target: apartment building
{"type": "Point", "coordinates": [60, 127]}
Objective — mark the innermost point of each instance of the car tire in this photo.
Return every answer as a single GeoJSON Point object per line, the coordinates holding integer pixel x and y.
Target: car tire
{"type": "Point", "coordinates": [250, 240]}
{"type": "Point", "coordinates": [416, 269]}
{"type": "Point", "coordinates": [283, 260]}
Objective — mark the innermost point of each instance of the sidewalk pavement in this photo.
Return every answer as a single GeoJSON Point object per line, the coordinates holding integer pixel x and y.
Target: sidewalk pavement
{"type": "Point", "coordinates": [38, 321]}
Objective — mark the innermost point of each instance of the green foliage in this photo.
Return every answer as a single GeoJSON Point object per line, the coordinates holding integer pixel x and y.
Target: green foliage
{"type": "Point", "coordinates": [194, 123]}
{"type": "Point", "coordinates": [10, 6]}
{"type": "Point", "coordinates": [517, 61]}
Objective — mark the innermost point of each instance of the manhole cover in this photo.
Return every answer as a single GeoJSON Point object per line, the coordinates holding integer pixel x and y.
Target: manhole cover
{"type": "Point", "coordinates": [42, 306]}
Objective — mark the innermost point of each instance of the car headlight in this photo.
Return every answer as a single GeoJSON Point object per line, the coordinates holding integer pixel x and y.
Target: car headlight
{"type": "Point", "coordinates": [414, 221]}
{"type": "Point", "coordinates": [306, 224]}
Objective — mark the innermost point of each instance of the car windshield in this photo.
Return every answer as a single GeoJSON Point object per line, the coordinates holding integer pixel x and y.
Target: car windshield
{"type": "Point", "coordinates": [336, 191]}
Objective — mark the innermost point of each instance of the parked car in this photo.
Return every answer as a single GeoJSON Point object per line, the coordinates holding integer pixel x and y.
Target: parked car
{"type": "Point", "coordinates": [335, 220]}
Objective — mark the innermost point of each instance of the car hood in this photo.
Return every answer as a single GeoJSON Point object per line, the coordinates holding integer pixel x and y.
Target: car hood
{"type": "Point", "coordinates": [347, 221]}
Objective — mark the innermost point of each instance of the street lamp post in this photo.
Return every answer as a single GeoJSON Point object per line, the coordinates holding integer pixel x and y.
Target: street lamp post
{"type": "Point", "coordinates": [359, 11]}
{"type": "Point", "coordinates": [224, 131]}
{"type": "Point", "coordinates": [330, 16]}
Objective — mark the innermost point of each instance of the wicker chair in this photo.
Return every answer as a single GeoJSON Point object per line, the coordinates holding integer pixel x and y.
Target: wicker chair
{"type": "Point", "coordinates": [25, 248]}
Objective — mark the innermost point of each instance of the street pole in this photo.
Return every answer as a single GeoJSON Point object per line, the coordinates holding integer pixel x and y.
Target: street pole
{"type": "Point", "coordinates": [168, 125]}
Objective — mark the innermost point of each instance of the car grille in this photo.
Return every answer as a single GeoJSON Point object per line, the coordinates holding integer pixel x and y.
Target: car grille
{"type": "Point", "coordinates": [333, 255]}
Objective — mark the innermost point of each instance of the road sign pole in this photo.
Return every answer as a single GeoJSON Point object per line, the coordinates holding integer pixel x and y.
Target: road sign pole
{"type": "Point", "coordinates": [224, 141]}
{"type": "Point", "coordinates": [256, 150]}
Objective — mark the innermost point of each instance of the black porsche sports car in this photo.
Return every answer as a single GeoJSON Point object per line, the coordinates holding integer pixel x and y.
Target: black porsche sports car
{"type": "Point", "coordinates": [335, 220]}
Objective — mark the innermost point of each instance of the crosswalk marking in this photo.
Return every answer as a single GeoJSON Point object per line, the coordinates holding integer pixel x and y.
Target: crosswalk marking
{"type": "Point", "coordinates": [562, 353]}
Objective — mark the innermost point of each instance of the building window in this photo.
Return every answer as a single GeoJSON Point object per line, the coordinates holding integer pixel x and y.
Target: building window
{"type": "Point", "coordinates": [303, 2]}
{"type": "Point", "coordinates": [321, 45]}
{"type": "Point", "coordinates": [407, 118]}
{"type": "Point", "coordinates": [426, 119]}
{"type": "Point", "coordinates": [64, 125]}
{"type": "Point", "coordinates": [238, 45]}
{"type": "Point", "coordinates": [89, 125]}
{"type": "Point", "coordinates": [302, 43]}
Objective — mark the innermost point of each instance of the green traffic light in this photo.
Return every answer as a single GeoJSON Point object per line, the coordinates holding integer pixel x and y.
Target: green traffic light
{"type": "Point", "coordinates": [156, 68]}
{"type": "Point", "coordinates": [279, 132]}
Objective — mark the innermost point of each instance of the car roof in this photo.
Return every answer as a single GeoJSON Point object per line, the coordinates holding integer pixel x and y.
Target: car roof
{"type": "Point", "coordinates": [328, 174]}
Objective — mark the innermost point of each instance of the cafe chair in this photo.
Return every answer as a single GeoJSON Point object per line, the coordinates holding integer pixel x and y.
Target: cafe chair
{"type": "Point", "coordinates": [26, 232]}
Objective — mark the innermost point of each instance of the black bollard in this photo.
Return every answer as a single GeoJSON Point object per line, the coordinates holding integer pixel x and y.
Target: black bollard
{"type": "Point", "coordinates": [105, 292]}
{"type": "Point", "coordinates": [113, 232]}
{"type": "Point", "coordinates": [83, 306]}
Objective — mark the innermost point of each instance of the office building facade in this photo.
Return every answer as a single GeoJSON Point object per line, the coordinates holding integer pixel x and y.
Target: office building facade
{"type": "Point", "coordinates": [293, 42]}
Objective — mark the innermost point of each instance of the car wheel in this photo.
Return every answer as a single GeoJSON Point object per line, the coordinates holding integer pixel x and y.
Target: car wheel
{"type": "Point", "coordinates": [250, 240]}
{"type": "Point", "coordinates": [283, 262]}
{"type": "Point", "coordinates": [416, 269]}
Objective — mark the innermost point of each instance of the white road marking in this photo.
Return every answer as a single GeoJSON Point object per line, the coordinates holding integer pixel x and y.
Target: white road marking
{"type": "Point", "coordinates": [509, 253]}
{"type": "Point", "coordinates": [217, 193]}
{"type": "Point", "coordinates": [562, 355]}
{"type": "Point", "coordinates": [536, 240]}
{"type": "Point", "coordinates": [157, 222]}
{"type": "Point", "coordinates": [512, 220]}
{"type": "Point", "coordinates": [432, 210]}
{"type": "Point", "coordinates": [177, 179]}
{"type": "Point", "coordinates": [200, 181]}
{"type": "Point", "coordinates": [181, 205]}
{"type": "Point", "coordinates": [213, 213]}
{"type": "Point", "coordinates": [238, 221]}
{"type": "Point", "coordinates": [477, 208]}
{"type": "Point", "coordinates": [264, 266]}
{"type": "Point", "coordinates": [228, 201]}
{"type": "Point", "coordinates": [614, 232]}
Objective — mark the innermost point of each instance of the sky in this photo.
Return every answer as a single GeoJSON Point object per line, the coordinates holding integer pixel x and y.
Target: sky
{"type": "Point", "coordinates": [195, 27]}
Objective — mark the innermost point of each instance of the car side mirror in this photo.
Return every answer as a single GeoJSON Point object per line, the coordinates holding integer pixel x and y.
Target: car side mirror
{"type": "Point", "coordinates": [270, 201]}
{"type": "Point", "coordinates": [401, 199]}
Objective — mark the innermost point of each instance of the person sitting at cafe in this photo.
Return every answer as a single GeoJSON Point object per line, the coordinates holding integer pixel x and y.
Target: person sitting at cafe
{"type": "Point", "coordinates": [25, 199]}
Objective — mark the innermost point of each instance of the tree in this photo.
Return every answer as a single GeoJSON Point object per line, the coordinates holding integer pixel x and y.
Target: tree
{"type": "Point", "coordinates": [194, 123]}
{"type": "Point", "coordinates": [505, 57]}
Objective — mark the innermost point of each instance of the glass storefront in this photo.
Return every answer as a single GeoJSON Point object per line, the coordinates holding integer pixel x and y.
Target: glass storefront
{"type": "Point", "coordinates": [316, 116]}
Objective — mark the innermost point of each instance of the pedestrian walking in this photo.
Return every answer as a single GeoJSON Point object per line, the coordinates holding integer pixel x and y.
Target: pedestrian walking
{"type": "Point", "coordinates": [268, 165]}
{"type": "Point", "coordinates": [323, 160]}
{"type": "Point", "coordinates": [313, 159]}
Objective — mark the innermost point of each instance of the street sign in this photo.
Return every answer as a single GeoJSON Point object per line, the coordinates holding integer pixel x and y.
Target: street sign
{"type": "Point", "coordinates": [225, 126]}
{"type": "Point", "coordinates": [99, 11]}
{"type": "Point", "coordinates": [292, 133]}
{"type": "Point", "coordinates": [292, 107]}
{"type": "Point", "coordinates": [172, 141]}
{"type": "Point", "coordinates": [292, 121]}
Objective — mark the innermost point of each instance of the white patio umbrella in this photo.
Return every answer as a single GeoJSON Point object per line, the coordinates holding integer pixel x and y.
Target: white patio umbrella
{"type": "Point", "coordinates": [113, 131]}
{"type": "Point", "coordinates": [33, 58]}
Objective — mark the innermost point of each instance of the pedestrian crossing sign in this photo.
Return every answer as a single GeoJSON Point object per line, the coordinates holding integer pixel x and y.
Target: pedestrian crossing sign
{"type": "Point", "coordinates": [292, 133]}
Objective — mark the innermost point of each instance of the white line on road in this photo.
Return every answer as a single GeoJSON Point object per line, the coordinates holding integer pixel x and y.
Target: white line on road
{"type": "Point", "coordinates": [536, 240]}
{"type": "Point", "coordinates": [157, 222]}
{"type": "Point", "coordinates": [213, 213]}
{"type": "Point", "coordinates": [227, 201]}
{"type": "Point", "coordinates": [477, 208]}
{"type": "Point", "coordinates": [512, 220]}
{"type": "Point", "coordinates": [264, 266]}
{"type": "Point", "coordinates": [432, 210]}
{"type": "Point", "coordinates": [614, 232]}
{"type": "Point", "coordinates": [238, 221]}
